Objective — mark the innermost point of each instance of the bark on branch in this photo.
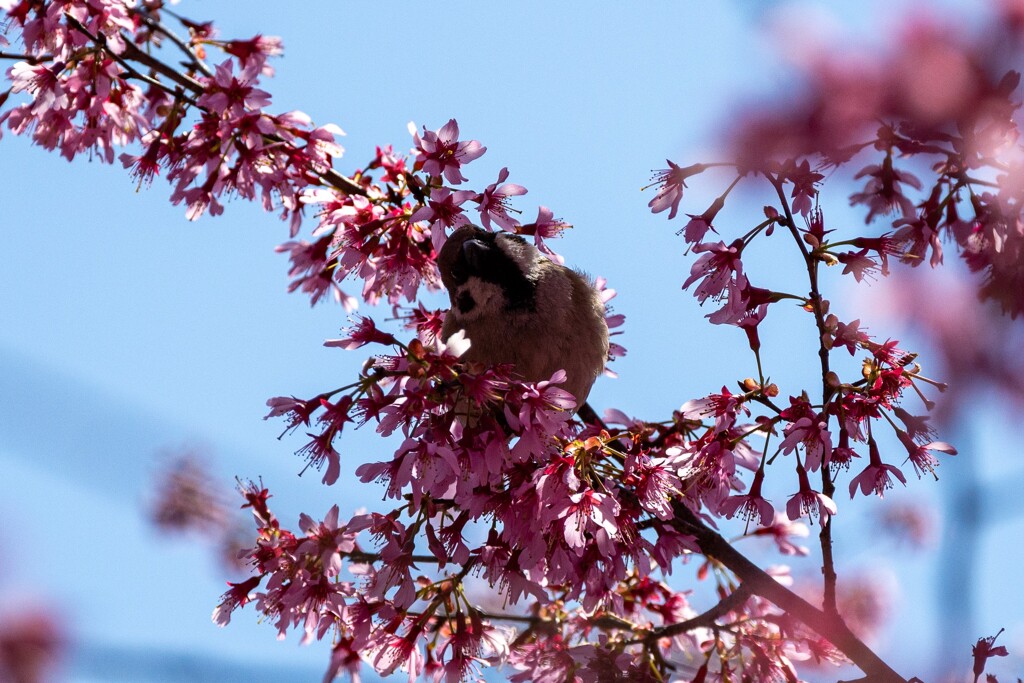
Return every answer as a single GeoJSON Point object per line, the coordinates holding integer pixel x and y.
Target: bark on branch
{"type": "Point", "coordinates": [760, 583]}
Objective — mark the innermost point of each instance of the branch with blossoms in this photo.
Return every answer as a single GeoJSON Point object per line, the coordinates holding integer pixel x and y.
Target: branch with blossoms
{"type": "Point", "coordinates": [964, 132]}
{"type": "Point", "coordinates": [563, 528]}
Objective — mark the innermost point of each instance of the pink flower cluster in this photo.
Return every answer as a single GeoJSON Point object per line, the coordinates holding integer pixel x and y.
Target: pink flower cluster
{"type": "Point", "coordinates": [495, 486]}
{"type": "Point", "coordinates": [941, 103]}
{"type": "Point", "coordinates": [389, 230]}
{"type": "Point", "coordinates": [493, 478]}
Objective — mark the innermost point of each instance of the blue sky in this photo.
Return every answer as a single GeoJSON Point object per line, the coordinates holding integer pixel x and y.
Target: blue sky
{"type": "Point", "coordinates": [126, 330]}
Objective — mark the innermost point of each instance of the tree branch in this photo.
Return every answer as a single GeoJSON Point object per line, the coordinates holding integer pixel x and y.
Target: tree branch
{"type": "Point", "coordinates": [828, 568]}
{"type": "Point", "coordinates": [158, 26]}
{"type": "Point", "coordinates": [830, 626]}
{"type": "Point", "coordinates": [31, 59]}
{"type": "Point", "coordinates": [706, 619]}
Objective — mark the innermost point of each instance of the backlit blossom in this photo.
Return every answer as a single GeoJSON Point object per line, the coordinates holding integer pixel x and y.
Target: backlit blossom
{"type": "Point", "coordinates": [671, 182]}
{"type": "Point", "coordinates": [544, 227]}
{"type": "Point", "coordinates": [231, 95]}
{"type": "Point", "coordinates": [493, 202]}
{"type": "Point", "coordinates": [362, 333]}
{"type": "Point", "coordinates": [811, 432]}
{"type": "Point", "coordinates": [717, 267]}
{"type": "Point", "coordinates": [724, 407]}
{"type": "Point", "coordinates": [42, 81]}
{"type": "Point", "coordinates": [920, 455]}
{"type": "Point", "coordinates": [443, 211]}
{"type": "Point", "coordinates": [807, 502]}
{"type": "Point", "coordinates": [875, 478]}
{"type": "Point", "coordinates": [750, 505]}
{"type": "Point", "coordinates": [589, 514]}
{"type": "Point", "coordinates": [985, 649]}
{"type": "Point", "coordinates": [883, 192]}
{"type": "Point", "coordinates": [694, 231]}
{"type": "Point", "coordinates": [442, 153]}
{"type": "Point", "coordinates": [321, 451]}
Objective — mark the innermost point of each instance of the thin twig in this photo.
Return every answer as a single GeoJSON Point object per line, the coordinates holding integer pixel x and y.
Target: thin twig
{"type": "Point", "coordinates": [828, 569]}
{"type": "Point", "coordinates": [706, 619]}
{"type": "Point", "coordinates": [31, 59]}
{"type": "Point", "coordinates": [133, 52]}
{"type": "Point", "coordinates": [360, 557]}
{"type": "Point", "coordinates": [173, 37]}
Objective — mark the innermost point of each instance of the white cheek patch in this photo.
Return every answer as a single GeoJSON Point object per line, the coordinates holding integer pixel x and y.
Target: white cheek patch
{"type": "Point", "coordinates": [487, 298]}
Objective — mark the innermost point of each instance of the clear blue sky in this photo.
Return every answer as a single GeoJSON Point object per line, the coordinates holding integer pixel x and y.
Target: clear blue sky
{"type": "Point", "coordinates": [126, 330]}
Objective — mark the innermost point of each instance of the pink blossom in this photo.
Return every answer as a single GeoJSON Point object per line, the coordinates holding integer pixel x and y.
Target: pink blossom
{"type": "Point", "coordinates": [589, 515]}
{"type": "Point", "coordinates": [544, 661]}
{"type": "Point", "coordinates": [237, 596]}
{"type": "Point", "coordinates": [391, 652]}
{"type": "Point", "coordinates": [231, 96]}
{"type": "Point", "coordinates": [858, 263]}
{"type": "Point", "coordinates": [326, 540]}
{"type": "Point", "coordinates": [919, 455]}
{"type": "Point", "coordinates": [41, 81]}
{"type": "Point", "coordinates": [443, 210]}
{"type": "Point", "coordinates": [782, 530]}
{"type": "Point", "coordinates": [494, 202]}
{"type": "Point", "coordinates": [812, 433]}
{"type": "Point", "coordinates": [875, 477]}
{"type": "Point", "coordinates": [362, 333]}
{"type": "Point", "coordinates": [297, 410]}
{"type": "Point", "coordinates": [344, 657]}
{"type": "Point", "coordinates": [656, 486]}
{"type": "Point", "coordinates": [441, 153]}
{"type": "Point", "coordinates": [311, 273]}
{"type": "Point", "coordinates": [983, 650]}
{"type": "Point", "coordinates": [804, 180]}
{"type": "Point", "coordinates": [807, 502]}
{"type": "Point", "coordinates": [694, 231]}
{"type": "Point", "coordinates": [917, 236]}
{"type": "Point", "coordinates": [842, 454]}
{"type": "Point", "coordinates": [844, 334]}
{"type": "Point", "coordinates": [884, 192]}
{"type": "Point", "coordinates": [884, 246]}
{"type": "Point", "coordinates": [724, 407]}
{"type": "Point", "coordinates": [718, 266]}
{"type": "Point", "coordinates": [146, 165]}
{"type": "Point", "coordinates": [544, 227]}
{"type": "Point", "coordinates": [393, 164]}
{"type": "Point", "coordinates": [253, 53]}
{"type": "Point", "coordinates": [750, 505]}
{"type": "Point", "coordinates": [671, 182]}
{"type": "Point", "coordinates": [321, 450]}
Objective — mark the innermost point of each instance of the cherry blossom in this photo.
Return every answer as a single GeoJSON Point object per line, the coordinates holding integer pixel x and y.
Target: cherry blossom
{"type": "Point", "coordinates": [807, 502]}
{"type": "Point", "coordinates": [875, 478]}
{"type": "Point", "coordinates": [671, 182]}
{"type": "Point", "coordinates": [567, 524]}
{"type": "Point", "coordinates": [442, 153]}
{"type": "Point", "coordinates": [494, 202]}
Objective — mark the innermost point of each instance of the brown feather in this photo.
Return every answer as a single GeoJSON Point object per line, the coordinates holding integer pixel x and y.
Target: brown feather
{"type": "Point", "coordinates": [563, 329]}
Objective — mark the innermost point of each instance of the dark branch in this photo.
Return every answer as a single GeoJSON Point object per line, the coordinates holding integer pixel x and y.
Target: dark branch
{"type": "Point", "coordinates": [708, 618]}
{"type": "Point", "coordinates": [753, 578]}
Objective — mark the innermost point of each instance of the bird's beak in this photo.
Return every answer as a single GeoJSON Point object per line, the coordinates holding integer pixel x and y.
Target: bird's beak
{"type": "Point", "coordinates": [475, 252]}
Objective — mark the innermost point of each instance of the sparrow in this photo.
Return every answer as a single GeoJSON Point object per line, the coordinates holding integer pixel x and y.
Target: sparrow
{"type": "Point", "coordinates": [517, 306]}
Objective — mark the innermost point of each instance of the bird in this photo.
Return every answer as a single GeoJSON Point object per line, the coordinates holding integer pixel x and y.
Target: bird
{"type": "Point", "coordinates": [517, 306]}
